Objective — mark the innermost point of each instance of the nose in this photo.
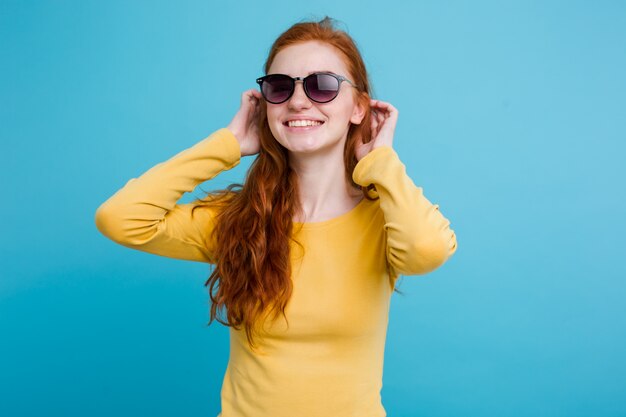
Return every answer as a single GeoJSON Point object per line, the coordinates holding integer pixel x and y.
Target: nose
{"type": "Point", "coordinates": [299, 99]}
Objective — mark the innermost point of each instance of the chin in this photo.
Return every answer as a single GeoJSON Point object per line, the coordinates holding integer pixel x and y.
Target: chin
{"type": "Point", "coordinates": [301, 148]}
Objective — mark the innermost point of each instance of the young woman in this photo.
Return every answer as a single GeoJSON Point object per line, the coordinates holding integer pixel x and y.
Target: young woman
{"type": "Point", "coordinates": [307, 252]}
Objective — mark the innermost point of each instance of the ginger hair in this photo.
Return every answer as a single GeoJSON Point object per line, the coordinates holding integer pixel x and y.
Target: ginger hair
{"type": "Point", "coordinates": [253, 228]}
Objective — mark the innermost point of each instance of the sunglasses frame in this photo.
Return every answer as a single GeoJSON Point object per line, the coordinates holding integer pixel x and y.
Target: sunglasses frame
{"type": "Point", "coordinates": [339, 78]}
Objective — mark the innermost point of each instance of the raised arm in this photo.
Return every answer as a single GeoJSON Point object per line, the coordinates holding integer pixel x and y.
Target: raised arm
{"type": "Point", "coordinates": [419, 238]}
{"type": "Point", "coordinates": [144, 215]}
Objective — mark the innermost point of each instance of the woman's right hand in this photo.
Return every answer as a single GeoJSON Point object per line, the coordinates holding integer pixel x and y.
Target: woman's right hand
{"type": "Point", "coordinates": [245, 123]}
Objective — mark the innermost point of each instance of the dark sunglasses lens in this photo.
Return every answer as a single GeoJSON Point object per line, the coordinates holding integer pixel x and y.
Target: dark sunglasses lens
{"type": "Point", "coordinates": [277, 88]}
{"type": "Point", "coordinates": [322, 87]}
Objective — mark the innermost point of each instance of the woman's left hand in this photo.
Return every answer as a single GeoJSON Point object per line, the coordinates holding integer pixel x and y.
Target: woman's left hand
{"type": "Point", "coordinates": [383, 124]}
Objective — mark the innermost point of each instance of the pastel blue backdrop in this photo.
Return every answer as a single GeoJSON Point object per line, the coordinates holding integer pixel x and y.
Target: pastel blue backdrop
{"type": "Point", "coordinates": [512, 119]}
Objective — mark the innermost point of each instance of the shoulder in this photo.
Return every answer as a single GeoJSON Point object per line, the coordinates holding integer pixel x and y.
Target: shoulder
{"type": "Point", "coordinates": [369, 211]}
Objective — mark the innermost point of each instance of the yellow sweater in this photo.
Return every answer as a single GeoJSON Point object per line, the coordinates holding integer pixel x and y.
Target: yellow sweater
{"type": "Point", "coordinates": [329, 361]}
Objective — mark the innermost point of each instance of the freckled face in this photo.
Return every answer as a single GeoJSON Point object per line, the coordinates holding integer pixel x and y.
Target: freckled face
{"type": "Point", "coordinates": [300, 60]}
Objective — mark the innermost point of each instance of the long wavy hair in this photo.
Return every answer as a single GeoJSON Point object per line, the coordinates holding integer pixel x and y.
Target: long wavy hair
{"type": "Point", "coordinates": [253, 229]}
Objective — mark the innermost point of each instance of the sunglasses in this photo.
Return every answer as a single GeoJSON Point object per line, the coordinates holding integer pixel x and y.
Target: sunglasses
{"type": "Point", "coordinates": [320, 87]}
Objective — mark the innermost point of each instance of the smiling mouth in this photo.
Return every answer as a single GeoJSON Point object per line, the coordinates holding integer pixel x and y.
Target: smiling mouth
{"type": "Point", "coordinates": [303, 123]}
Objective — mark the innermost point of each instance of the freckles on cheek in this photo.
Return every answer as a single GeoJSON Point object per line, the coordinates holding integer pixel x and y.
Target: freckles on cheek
{"type": "Point", "coordinates": [271, 122]}
{"type": "Point", "coordinates": [274, 126]}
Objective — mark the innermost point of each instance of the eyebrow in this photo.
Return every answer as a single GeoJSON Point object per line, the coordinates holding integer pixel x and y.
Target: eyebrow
{"type": "Point", "coordinates": [313, 72]}
{"type": "Point", "coordinates": [310, 72]}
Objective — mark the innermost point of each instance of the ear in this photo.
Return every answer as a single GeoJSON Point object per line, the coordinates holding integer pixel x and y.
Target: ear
{"type": "Point", "coordinates": [358, 113]}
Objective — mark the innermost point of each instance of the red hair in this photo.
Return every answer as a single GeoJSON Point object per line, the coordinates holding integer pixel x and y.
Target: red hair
{"type": "Point", "coordinates": [252, 274]}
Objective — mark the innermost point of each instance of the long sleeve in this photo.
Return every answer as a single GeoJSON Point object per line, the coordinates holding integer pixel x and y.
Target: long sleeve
{"type": "Point", "coordinates": [419, 238]}
{"type": "Point", "coordinates": [144, 215]}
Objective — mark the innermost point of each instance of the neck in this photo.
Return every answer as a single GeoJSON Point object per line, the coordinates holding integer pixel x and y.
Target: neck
{"type": "Point", "coordinates": [323, 188]}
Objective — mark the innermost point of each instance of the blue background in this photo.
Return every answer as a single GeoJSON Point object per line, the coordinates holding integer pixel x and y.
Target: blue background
{"type": "Point", "coordinates": [512, 119]}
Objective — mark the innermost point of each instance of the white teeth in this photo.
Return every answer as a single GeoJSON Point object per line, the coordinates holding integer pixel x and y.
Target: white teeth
{"type": "Point", "coordinates": [302, 123]}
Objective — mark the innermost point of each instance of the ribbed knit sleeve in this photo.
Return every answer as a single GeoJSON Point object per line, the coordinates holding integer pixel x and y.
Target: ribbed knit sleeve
{"type": "Point", "coordinates": [144, 215]}
{"type": "Point", "coordinates": [419, 237]}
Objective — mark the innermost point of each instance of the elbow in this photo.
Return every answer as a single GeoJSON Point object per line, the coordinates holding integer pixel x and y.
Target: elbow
{"type": "Point", "coordinates": [114, 223]}
{"type": "Point", "coordinates": [108, 222]}
{"type": "Point", "coordinates": [424, 255]}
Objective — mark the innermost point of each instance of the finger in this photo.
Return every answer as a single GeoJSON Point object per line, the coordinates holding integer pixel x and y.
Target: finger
{"type": "Point", "coordinates": [374, 119]}
{"type": "Point", "coordinates": [250, 99]}
{"type": "Point", "coordinates": [375, 104]}
{"type": "Point", "coordinates": [252, 95]}
{"type": "Point", "coordinates": [383, 105]}
{"type": "Point", "coordinates": [375, 129]}
{"type": "Point", "coordinates": [383, 109]}
{"type": "Point", "coordinates": [381, 117]}
{"type": "Point", "coordinates": [380, 111]}
{"type": "Point", "coordinates": [393, 114]}
{"type": "Point", "coordinates": [378, 103]}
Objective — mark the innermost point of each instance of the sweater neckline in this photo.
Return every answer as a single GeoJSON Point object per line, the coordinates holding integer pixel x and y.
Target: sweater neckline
{"type": "Point", "coordinates": [334, 220]}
